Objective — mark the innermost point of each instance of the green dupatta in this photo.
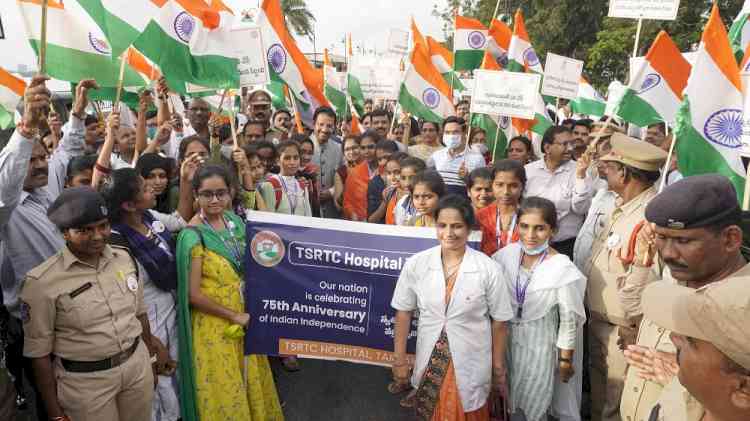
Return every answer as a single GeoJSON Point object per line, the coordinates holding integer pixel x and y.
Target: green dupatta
{"type": "Point", "coordinates": [187, 240]}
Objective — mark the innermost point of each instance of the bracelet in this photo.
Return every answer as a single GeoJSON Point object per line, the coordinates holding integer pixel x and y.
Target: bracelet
{"type": "Point", "coordinates": [102, 169]}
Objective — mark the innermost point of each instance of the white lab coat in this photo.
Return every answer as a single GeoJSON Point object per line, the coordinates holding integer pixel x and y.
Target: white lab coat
{"type": "Point", "coordinates": [479, 296]}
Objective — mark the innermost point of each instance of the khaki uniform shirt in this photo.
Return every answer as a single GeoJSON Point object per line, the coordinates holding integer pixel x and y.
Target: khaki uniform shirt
{"type": "Point", "coordinates": [614, 288]}
{"type": "Point", "coordinates": [676, 404]}
{"type": "Point", "coordinates": [81, 313]}
{"type": "Point", "coordinates": [639, 395]}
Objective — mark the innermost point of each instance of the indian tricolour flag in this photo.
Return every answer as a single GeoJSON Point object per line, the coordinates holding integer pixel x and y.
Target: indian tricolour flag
{"type": "Point", "coordinates": [469, 41]}
{"type": "Point", "coordinates": [424, 93]}
{"type": "Point", "coordinates": [739, 33]}
{"type": "Point", "coordinates": [286, 62]}
{"type": "Point", "coordinates": [76, 48]}
{"type": "Point", "coordinates": [521, 54]}
{"type": "Point", "coordinates": [11, 93]}
{"type": "Point", "coordinates": [655, 93]}
{"type": "Point", "coordinates": [121, 21]}
{"type": "Point", "coordinates": [498, 129]}
{"type": "Point", "coordinates": [353, 87]}
{"type": "Point", "coordinates": [498, 43]}
{"type": "Point", "coordinates": [709, 123]}
{"type": "Point", "coordinates": [335, 90]}
{"type": "Point", "coordinates": [192, 42]}
{"type": "Point", "coordinates": [442, 58]}
{"type": "Point", "coordinates": [588, 102]}
{"type": "Point", "coordinates": [416, 35]}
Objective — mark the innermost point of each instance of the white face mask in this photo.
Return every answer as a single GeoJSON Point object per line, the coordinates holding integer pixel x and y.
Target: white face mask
{"type": "Point", "coordinates": [536, 250]}
{"type": "Point", "coordinates": [480, 148]}
{"type": "Point", "coordinates": [226, 151]}
{"type": "Point", "coordinates": [452, 141]}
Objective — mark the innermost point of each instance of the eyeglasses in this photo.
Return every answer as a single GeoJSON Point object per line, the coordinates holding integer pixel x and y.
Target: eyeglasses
{"type": "Point", "coordinates": [565, 145]}
{"type": "Point", "coordinates": [210, 194]}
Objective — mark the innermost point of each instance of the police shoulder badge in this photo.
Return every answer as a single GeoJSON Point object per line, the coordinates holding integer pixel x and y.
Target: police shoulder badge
{"type": "Point", "coordinates": [25, 312]}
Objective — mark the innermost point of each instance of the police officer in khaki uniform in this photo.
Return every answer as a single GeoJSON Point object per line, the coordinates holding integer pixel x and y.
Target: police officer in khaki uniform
{"type": "Point", "coordinates": [618, 269]}
{"type": "Point", "coordinates": [696, 207]}
{"type": "Point", "coordinates": [710, 330]}
{"type": "Point", "coordinates": [85, 323]}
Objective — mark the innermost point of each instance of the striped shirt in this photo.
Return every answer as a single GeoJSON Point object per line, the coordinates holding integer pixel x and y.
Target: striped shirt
{"type": "Point", "coordinates": [449, 165]}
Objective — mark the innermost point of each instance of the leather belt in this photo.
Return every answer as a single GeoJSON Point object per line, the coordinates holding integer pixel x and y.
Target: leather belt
{"type": "Point", "coordinates": [105, 364]}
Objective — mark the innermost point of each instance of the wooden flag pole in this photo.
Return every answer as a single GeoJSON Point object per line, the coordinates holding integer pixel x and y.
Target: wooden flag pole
{"type": "Point", "coordinates": [665, 171]}
{"type": "Point", "coordinates": [221, 101]}
{"type": "Point", "coordinates": [232, 125]}
{"type": "Point", "coordinates": [497, 134]}
{"type": "Point", "coordinates": [297, 117]}
{"type": "Point", "coordinates": [120, 81]}
{"type": "Point", "coordinates": [43, 41]}
{"type": "Point", "coordinates": [637, 37]}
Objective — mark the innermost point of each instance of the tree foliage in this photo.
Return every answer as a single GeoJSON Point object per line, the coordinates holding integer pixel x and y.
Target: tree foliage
{"type": "Point", "coordinates": [298, 17]}
{"type": "Point", "coordinates": [581, 29]}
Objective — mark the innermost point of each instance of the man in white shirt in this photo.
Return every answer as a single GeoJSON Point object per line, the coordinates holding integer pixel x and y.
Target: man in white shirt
{"type": "Point", "coordinates": [455, 160]}
{"type": "Point", "coordinates": [555, 177]}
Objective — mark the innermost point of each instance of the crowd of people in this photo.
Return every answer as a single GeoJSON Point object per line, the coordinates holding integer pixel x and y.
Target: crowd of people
{"type": "Point", "coordinates": [600, 268]}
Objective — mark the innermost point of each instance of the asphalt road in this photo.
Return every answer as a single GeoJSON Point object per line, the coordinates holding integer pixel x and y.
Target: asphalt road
{"type": "Point", "coordinates": [335, 390]}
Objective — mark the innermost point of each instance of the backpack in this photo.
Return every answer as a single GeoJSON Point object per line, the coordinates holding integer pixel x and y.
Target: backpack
{"type": "Point", "coordinates": [278, 190]}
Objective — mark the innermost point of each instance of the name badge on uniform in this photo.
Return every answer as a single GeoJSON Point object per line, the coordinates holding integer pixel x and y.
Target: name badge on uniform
{"type": "Point", "coordinates": [132, 283]}
{"type": "Point", "coordinates": [613, 241]}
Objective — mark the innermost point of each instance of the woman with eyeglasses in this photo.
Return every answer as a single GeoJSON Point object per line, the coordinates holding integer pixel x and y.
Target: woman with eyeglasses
{"type": "Point", "coordinates": [217, 381]}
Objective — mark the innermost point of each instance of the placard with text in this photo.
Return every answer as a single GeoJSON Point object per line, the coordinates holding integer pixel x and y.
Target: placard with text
{"type": "Point", "coordinates": [322, 288]}
{"type": "Point", "coordinates": [644, 9]}
{"type": "Point", "coordinates": [561, 76]}
{"type": "Point", "coordinates": [508, 94]}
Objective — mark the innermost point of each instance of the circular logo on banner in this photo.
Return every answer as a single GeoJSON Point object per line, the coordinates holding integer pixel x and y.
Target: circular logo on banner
{"type": "Point", "coordinates": [431, 98]}
{"type": "Point", "coordinates": [277, 58]}
{"type": "Point", "coordinates": [530, 57]}
{"type": "Point", "coordinates": [504, 122]}
{"type": "Point", "coordinates": [267, 248]}
{"type": "Point", "coordinates": [651, 81]}
{"type": "Point", "coordinates": [724, 128]}
{"type": "Point", "coordinates": [476, 40]}
{"type": "Point", "coordinates": [99, 45]}
{"type": "Point", "coordinates": [184, 25]}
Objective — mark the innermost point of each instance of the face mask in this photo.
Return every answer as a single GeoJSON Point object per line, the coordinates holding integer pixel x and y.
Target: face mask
{"type": "Point", "coordinates": [452, 141]}
{"type": "Point", "coordinates": [151, 131]}
{"type": "Point", "coordinates": [226, 151]}
{"type": "Point", "coordinates": [480, 148]}
{"type": "Point", "coordinates": [536, 250]}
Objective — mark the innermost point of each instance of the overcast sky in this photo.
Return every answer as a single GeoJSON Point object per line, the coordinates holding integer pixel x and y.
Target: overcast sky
{"type": "Point", "coordinates": [369, 21]}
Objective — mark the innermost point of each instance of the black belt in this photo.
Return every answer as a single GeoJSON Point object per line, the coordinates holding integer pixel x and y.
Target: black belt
{"type": "Point", "coordinates": [106, 364]}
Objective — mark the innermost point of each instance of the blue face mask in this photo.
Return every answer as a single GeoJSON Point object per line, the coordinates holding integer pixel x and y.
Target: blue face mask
{"type": "Point", "coordinates": [536, 250]}
{"type": "Point", "coordinates": [151, 132]}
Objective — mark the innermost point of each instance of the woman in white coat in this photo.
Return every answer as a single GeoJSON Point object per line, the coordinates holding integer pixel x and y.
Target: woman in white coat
{"type": "Point", "coordinates": [463, 306]}
{"type": "Point", "coordinates": [547, 293]}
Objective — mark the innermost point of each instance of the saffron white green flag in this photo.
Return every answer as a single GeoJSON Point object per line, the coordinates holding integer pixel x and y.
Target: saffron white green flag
{"type": "Point", "coordinates": [498, 130]}
{"type": "Point", "coordinates": [424, 93]}
{"type": "Point", "coordinates": [76, 48]}
{"type": "Point", "coordinates": [121, 21]}
{"type": "Point", "coordinates": [11, 93]}
{"type": "Point", "coordinates": [353, 88]}
{"type": "Point", "coordinates": [335, 90]}
{"type": "Point", "coordinates": [442, 58]}
{"type": "Point", "coordinates": [521, 54]}
{"type": "Point", "coordinates": [499, 42]}
{"type": "Point", "coordinates": [709, 123]}
{"type": "Point", "coordinates": [469, 42]}
{"type": "Point", "coordinates": [655, 94]}
{"type": "Point", "coordinates": [588, 102]}
{"type": "Point", "coordinates": [192, 42]}
{"type": "Point", "coordinates": [739, 33]}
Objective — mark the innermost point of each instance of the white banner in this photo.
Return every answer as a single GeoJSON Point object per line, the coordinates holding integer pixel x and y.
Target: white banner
{"type": "Point", "coordinates": [561, 76]}
{"type": "Point", "coordinates": [379, 78]}
{"type": "Point", "coordinates": [508, 94]}
{"type": "Point", "coordinates": [253, 65]}
{"type": "Point", "coordinates": [398, 41]}
{"type": "Point", "coordinates": [644, 9]}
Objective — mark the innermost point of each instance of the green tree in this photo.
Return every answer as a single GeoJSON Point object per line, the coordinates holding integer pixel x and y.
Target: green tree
{"type": "Point", "coordinates": [298, 17]}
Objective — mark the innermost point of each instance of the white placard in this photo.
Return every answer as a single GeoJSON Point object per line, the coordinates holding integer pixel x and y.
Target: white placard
{"type": "Point", "coordinates": [253, 66]}
{"type": "Point", "coordinates": [508, 94]}
{"type": "Point", "coordinates": [398, 41]}
{"type": "Point", "coordinates": [561, 76]}
{"type": "Point", "coordinates": [745, 151]}
{"type": "Point", "coordinates": [644, 9]}
{"type": "Point", "coordinates": [379, 79]}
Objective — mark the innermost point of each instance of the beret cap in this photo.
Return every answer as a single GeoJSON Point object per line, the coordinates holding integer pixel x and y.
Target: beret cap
{"type": "Point", "coordinates": [76, 207]}
{"type": "Point", "coordinates": [694, 202]}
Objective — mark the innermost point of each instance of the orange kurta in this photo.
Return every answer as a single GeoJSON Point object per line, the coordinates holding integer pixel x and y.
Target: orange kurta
{"type": "Point", "coordinates": [355, 192]}
{"type": "Point", "coordinates": [487, 219]}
